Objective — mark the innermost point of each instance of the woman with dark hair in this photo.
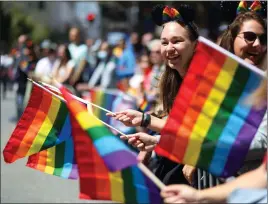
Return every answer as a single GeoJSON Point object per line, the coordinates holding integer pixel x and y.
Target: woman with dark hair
{"type": "Point", "coordinates": [246, 37]}
{"type": "Point", "coordinates": [178, 41]}
{"type": "Point", "coordinates": [64, 66]}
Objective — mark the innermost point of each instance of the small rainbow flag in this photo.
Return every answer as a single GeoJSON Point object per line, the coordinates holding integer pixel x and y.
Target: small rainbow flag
{"type": "Point", "coordinates": [145, 106]}
{"type": "Point", "coordinates": [112, 100]}
{"type": "Point", "coordinates": [210, 125]}
{"type": "Point", "coordinates": [127, 185]}
{"type": "Point", "coordinates": [108, 146]}
{"type": "Point", "coordinates": [44, 123]}
{"type": "Point", "coordinates": [104, 99]}
{"type": "Point", "coordinates": [58, 160]}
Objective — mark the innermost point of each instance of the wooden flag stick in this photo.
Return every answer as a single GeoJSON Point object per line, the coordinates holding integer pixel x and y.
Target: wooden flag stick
{"type": "Point", "coordinates": [90, 111]}
{"type": "Point", "coordinates": [141, 166]}
{"type": "Point", "coordinates": [77, 98]}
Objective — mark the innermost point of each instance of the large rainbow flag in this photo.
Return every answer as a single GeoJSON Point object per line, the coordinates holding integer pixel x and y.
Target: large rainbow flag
{"type": "Point", "coordinates": [210, 125]}
{"type": "Point", "coordinates": [58, 160]}
{"type": "Point", "coordinates": [44, 124]}
{"type": "Point", "coordinates": [107, 168]}
{"type": "Point", "coordinates": [109, 146]}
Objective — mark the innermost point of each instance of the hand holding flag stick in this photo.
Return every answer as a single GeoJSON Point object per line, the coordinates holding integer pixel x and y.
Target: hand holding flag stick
{"type": "Point", "coordinates": [141, 166]}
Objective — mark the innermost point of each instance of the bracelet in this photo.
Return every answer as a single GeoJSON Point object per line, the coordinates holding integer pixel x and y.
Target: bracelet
{"type": "Point", "coordinates": [146, 120]}
{"type": "Point", "coordinates": [142, 119]}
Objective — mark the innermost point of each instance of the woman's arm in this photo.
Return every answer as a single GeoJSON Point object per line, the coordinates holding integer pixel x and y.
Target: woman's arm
{"type": "Point", "coordinates": [133, 118]}
{"type": "Point", "coordinates": [69, 69]}
{"type": "Point", "coordinates": [253, 179]}
{"type": "Point", "coordinates": [218, 194]}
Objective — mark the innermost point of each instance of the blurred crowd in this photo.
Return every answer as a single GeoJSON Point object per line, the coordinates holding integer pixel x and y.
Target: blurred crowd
{"type": "Point", "coordinates": [133, 65]}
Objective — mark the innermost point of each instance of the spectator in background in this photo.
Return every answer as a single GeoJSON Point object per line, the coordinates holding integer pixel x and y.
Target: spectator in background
{"type": "Point", "coordinates": [103, 75]}
{"type": "Point", "coordinates": [119, 48]}
{"type": "Point", "coordinates": [158, 68]}
{"type": "Point", "coordinates": [140, 82]}
{"type": "Point", "coordinates": [45, 65]}
{"type": "Point", "coordinates": [78, 52]}
{"type": "Point", "coordinates": [44, 48]}
{"type": "Point", "coordinates": [6, 63]}
{"type": "Point", "coordinates": [64, 66]}
{"type": "Point", "coordinates": [26, 65]}
{"type": "Point", "coordinates": [146, 39]}
{"type": "Point", "coordinates": [104, 72]}
{"type": "Point", "coordinates": [126, 64]}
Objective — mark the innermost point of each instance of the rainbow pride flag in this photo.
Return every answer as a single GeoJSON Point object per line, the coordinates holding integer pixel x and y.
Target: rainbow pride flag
{"type": "Point", "coordinates": [108, 146]}
{"type": "Point", "coordinates": [145, 105]}
{"type": "Point", "coordinates": [210, 125]}
{"type": "Point", "coordinates": [127, 185]}
{"type": "Point", "coordinates": [104, 99]}
{"type": "Point", "coordinates": [112, 100]}
{"type": "Point", "coordinates": [58, 160]}
{"type": "Point", "coordinates": [44, 124]}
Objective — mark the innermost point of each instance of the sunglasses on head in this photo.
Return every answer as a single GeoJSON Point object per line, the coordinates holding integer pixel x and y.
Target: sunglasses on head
{"type": "Point", "coordinates": [250, 37]}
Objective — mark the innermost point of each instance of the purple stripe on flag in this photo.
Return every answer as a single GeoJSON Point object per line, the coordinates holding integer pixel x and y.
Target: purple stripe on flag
{"type": "Point", "coordinates": [242, 143]}
{"type": "Point", "coordinates": [154, 192]}
{"type": "Point", "coordinates": [118, 160]}
{"type": "Point", "coordinates": [74, 172]}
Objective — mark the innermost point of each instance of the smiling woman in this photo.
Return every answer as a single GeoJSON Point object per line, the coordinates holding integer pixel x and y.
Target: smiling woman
{"type": "Point", "coordinates": [246, 37]}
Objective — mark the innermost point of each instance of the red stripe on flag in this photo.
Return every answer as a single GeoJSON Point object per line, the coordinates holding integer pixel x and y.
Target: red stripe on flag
{"type": "Point", "coordinates": [93, 174]}
{"type": "Point", "coordinates": [23, 125]}
{"type": "Point", "coordinates": [185, 97]}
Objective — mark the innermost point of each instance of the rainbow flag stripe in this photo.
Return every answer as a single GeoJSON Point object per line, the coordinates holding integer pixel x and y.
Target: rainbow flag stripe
{"type": "Point", "coordinates": [128, 185]}
{"type": "Point", "coordinates": [114, 101]}
{"type": "Point", "coordinates": [44, 123]}
{"type": "Point", "coordinates": [109, 146]}
{"type": "Point", "coordinates": [242, 7]}
{"type": "Point", "coordinates": [58, 160]}
{"type": "Point", "coordinates": [103, 99]}
{"type": "Point", "coordinates": [145, 106]}
{"type": "Point", "coordinates": [210, 125]}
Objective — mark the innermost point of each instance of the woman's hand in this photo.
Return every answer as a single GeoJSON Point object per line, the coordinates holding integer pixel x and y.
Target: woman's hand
{"type": "Point", "coordinates": [188, 172]}
{"type": "Point", "coordinates": [141, 141]}
{"type": "Point", "coordinates": [130, 118]}
{"type": "Point", "coordinates": [179, 194]}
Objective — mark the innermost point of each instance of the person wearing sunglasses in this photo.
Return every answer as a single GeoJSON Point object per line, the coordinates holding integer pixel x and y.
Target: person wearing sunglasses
{"type": "Point", "coordinates": [246, 37]}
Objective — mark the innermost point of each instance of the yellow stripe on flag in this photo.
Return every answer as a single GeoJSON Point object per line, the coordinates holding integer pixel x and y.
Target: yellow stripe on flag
{"type": "Point", "coordinates": [46, 127]}
{"type": "Point", "coordinates": [117, 187]}
{"type": "Point", "coordinates": [50, 166]}
{"type": "Point", "coordinates": [209, 111]}
{"type": "Point", "coordinates": [87, 121]}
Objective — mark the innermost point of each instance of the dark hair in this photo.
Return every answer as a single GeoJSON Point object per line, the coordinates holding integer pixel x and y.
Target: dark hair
{"type": "Point", "coordinates": [227, 40]}
{"type": "Point", "coordinates": [169, 86]}
{"type": "Point", "coordinates": [67, 54]}
{"type": "Point", "coordinates": [171, 80]}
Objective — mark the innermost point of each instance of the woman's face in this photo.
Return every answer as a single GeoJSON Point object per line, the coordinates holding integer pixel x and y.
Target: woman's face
{"type": "Point", "coordinates": [144, 62]}
{"type": "Point", "coordinates": [176, 47]}
{"type": "Point", "coordinates": [246, 47]}
{"type": "Point", "coordinates": [61, 51]}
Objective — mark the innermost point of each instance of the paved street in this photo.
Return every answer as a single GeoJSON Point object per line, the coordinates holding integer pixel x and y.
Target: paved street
{"type": "Point", "coordinates": [20, 184]}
